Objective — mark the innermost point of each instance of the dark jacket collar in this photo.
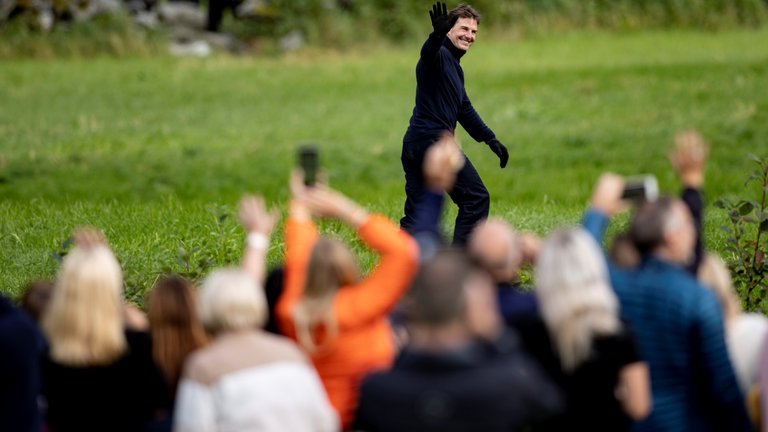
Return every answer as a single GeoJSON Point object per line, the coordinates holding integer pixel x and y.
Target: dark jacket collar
{"type": "Point", "coordinates": [457, 53]}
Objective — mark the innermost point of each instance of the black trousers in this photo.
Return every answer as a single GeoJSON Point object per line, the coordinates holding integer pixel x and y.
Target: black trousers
{"type": "Point", "coordinates": [469, 192]}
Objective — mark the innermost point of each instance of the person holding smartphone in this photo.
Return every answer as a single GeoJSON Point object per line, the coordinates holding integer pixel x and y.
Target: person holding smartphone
{"type": "Point", "coordinates": [441, 102]}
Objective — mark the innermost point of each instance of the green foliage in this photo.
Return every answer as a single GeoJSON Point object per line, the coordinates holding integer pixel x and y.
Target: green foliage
{"type": "Point", "coordinates": [104, 35]}
{"type": "Point", "coordinates": [345, 22]}
{"type": "Point", "coordinates": [747, 240]}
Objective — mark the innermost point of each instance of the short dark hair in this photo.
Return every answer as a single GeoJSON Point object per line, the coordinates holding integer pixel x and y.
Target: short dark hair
{"type": "Point", "coordinates": [36, 297]}
{"type": "Point", "coordinates": [436, 296]}
{"type": "Point", "coordinates": [465, 11]}
{"type": "Point", "coordinates": [649, 224]}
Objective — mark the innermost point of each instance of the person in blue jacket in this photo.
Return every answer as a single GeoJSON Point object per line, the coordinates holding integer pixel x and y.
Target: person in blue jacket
{"type": "Point", "coordinates": [677, 321]}
{"type": "Point", "coordinates": [441, 102]}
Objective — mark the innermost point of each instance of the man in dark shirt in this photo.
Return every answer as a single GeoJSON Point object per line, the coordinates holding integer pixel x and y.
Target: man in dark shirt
{"type": "Point", "coordinates": [459, 370]}
{"type": "Point", "coordinates": [21, 345]}
{"type": "Point", "coordinates": [441, 102]}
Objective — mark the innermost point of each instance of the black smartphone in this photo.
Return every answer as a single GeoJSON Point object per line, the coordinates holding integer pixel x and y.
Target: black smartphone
{"type": "Point", "coordinates": [644, 187]}
{"type": "Point", "coordinates": [309, 161]}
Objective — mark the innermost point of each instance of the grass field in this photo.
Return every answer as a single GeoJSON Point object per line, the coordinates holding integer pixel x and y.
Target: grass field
{"type": "Point", "coordinates": [156, 151]}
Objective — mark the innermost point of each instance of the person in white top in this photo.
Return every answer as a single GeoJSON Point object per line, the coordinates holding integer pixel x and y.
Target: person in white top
{"type": "Point", "coordinates": [744, 332]}
{"type": "Point", "coordinates": [246, 379]}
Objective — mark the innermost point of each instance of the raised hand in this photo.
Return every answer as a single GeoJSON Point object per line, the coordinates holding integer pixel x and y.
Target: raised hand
{"type": "Point", "coordinates": [88, 238]}
{"type": "Point", "coordinates": [323, 201]}
{"type": "Point", "coordinates": [441, 22]}
{"type": "Point", "coordinates": [606, 197]}
{"type": "Point", "coordinates": [255, 217]}
{"type": "Point", "coordinates": [689, 158]}
{"type": "Point", "coordinates": [442, 162]}
{"type": "Point", "coordinates": [500, 150]}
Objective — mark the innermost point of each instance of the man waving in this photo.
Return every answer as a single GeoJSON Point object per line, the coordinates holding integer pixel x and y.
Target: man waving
{"type": "Point", "coordinates": [441, 102]}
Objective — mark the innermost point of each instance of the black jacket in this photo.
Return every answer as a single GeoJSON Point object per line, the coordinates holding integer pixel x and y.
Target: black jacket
{"type": "Point", "coordinates": [21, 345]}
{"type": "Point", "coordinates": [489, 388]}
{"type": "Point", "coordinates": [441, 100]}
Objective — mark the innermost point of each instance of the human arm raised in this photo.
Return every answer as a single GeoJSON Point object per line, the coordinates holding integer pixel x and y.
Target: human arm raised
{"type": "Point", "coordinates": [442, 162]}
{"type": "Point", "coordinates": [605, 202]}
{"type": "Point", "coordinates": [258, 223]}
{"type": "Point", "coordinates": [300, 237]}
{"type": "Point", "coordinates": [441, 25]}
{"type": "Point", "coordinates": [689, 158]}
{"type": "Point", "coordinates": [379, 291]}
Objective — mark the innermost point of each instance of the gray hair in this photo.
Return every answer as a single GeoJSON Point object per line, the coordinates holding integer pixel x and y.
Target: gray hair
{"type": "Point", "coordinates": [231, 299]}
{"type": "Point", "coordinates": [652, 221]}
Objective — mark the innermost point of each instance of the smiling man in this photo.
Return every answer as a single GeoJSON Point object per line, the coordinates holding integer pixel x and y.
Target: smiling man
{"type": "Point", "coordinates": [441, 102]}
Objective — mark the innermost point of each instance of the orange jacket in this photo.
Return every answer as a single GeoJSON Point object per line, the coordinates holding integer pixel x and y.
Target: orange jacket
{"type": "Point", "coordinates": [364, 341]}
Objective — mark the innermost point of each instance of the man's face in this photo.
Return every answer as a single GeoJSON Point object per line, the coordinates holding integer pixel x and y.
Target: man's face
{"type": "Point", "coordinates": [463, 33]}
{"type": "Point", "coordinates": [682, 241]}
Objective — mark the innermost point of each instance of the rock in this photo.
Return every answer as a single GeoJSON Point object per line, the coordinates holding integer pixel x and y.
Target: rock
{"type": "Point", "coordinates": [83, 11]}
{"type": "Point", "coordinates": [182, 14]}
{"type": "Point", "coordinates": [292, 41]}
{"type": "Point", "coordinates": [6, 7]}
{"type": "Point", "coordinates": [252, 9]}
{"type": "Point", "coordinates": [148, 20]}
{"type": "Point", "coordinates": [195, 48]}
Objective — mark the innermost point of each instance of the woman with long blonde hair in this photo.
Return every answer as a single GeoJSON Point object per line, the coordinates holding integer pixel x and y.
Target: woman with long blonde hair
{"type": "Point", "coordinates": [339, 318]}
{"type": "Point", "coordinates": [97, 375]}
{"type": "Point", "coordinates": [605, 382]}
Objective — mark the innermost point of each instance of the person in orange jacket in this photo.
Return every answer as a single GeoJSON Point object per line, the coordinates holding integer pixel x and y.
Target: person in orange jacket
{"type": "Point", "coordinates": [337, 317]}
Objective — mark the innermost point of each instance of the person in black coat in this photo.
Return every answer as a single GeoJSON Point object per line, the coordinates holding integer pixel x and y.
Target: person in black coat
{"type": "Point", "coordinates": [459, 370]}
{"type": "Point", "coordinates": [441, 102]}
{"type": "Point", "coordinates": [21, 345]}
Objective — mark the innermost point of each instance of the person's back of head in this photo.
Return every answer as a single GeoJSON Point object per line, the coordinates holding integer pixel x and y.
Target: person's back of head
{"type": "Point", "coordinates": [449, 290]}
{"type": "Point", "coordinates": [715, 274]}
{"type": "Point", "coordinates": [436, 296]}
{"type": "Point", "coordinates": [664, 227]}
{"type": "Point", "coordinates": [175, 325]}
{"type": "Point", "coordinates": [623, 251]}
{"type": "Point", "coordinates": [36, 297]}
{"type": "Point", "coordinates": [84, 320]}
{"type": "Point", "coordinates": [231, 300]}
{"type": "Point", "coordinates": [331, 266]}
{"type": "Point", "coordinates": [497, 248]}
{"type": "Point", "coordinates": [575, 296]}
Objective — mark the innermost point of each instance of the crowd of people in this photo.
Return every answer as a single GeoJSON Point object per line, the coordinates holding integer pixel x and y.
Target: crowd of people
{"type": "Point", "coordinates": [647, 336]}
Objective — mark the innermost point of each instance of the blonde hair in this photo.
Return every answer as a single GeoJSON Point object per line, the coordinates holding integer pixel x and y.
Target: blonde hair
{"type": "Point", "coordinates": [84, 321]}
{"type": "Point", "coordinates": [331, 266]}
{"type": "Point", "coordinates": [231, 299]}
{"type": "Point", "coordinates": [575, 296]}
{"type": "Point", "coordinates": [715, 274]}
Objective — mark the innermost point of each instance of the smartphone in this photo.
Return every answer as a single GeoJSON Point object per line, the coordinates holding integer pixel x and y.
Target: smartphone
{"type": "Point", "coordinates": [642, 187]}
{"type": "Point", "coordinates": [309, 161]}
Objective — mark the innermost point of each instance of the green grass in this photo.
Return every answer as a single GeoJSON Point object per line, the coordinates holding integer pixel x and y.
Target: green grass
{"type": "Point", "coordinates": [156, 151]}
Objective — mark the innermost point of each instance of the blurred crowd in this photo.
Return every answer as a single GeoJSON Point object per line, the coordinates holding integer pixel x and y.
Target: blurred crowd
{"type": "Point", "coordinates": [647, 335]}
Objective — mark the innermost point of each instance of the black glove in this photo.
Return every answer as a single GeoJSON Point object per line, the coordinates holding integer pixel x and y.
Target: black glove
{"type": "Point", "coordinates": [441, 22]}
{"type": "Point", "coordinates": [500, 151]}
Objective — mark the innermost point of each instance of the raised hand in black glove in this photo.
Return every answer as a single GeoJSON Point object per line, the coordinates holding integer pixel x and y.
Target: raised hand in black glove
{"type": "Point", "coordinates": [441, 22]}
{"type": "Point", "coordinates": [500, 151]}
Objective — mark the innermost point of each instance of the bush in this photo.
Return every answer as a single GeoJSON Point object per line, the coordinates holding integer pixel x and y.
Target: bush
{"type": "Point", "coordinates": [344, 22]}
{"type": "Point", "coordinates": [747, 240]}
{"type": "Point", "coordinates": [107, 35]}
